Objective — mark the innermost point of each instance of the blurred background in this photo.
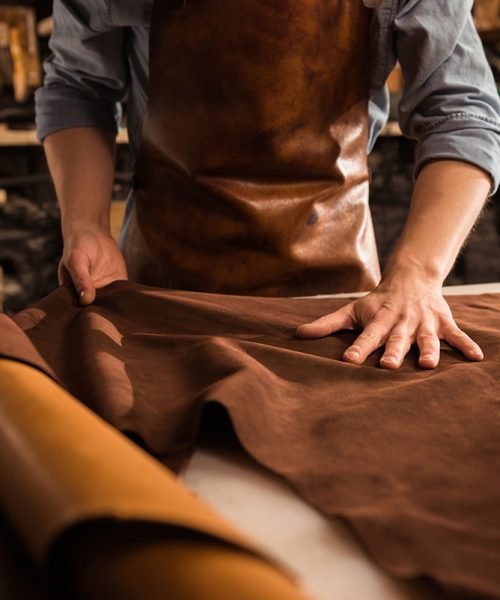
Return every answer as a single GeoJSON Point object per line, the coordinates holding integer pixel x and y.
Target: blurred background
{"type": "Point", "coordinates": [30, 242]}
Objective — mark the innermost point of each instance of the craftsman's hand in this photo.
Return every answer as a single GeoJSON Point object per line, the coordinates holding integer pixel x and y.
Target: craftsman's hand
{"type": "Point", "coordinates": [91, 260]}
{"type": "Point", "coordinates": [396, 315]}
{"type": "Point", "coordinates": [407, 307]}
{"type": "Point", "coordinates": [81, 162]}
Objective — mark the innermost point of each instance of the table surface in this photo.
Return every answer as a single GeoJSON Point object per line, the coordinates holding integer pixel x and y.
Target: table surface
{"type": "Point", "coordinates": [323, 553]}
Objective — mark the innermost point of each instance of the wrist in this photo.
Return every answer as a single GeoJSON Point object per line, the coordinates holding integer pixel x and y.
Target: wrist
{"type": "Point", "coordinates": [72, 227]}
{"type": "Point", "coordinates": [408, 268]}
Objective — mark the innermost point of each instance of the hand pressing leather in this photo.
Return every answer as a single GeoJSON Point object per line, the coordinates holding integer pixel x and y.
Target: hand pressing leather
{"type": "Point", "coordinates": [91, 260]}
{"type": "Point", "coordinates": [395, 316]}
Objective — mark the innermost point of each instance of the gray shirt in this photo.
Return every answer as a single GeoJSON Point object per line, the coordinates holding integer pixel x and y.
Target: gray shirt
{"type": "Point", "coordinates": [450, 104]}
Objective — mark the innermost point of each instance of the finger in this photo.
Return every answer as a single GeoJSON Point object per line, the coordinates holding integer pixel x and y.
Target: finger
{"type": "Point", "coordinates": [326, 325]}
{"type": "Point", "coordinates": [461, 341]}
{"type": "Point", "coordinates": [429, 348]}
{"type": "Point", "coordinates": [397, 346]}
{"type": "Point", "coordinates": [79, 269]}
{"type": "Point", "coordinates": [367, 342]}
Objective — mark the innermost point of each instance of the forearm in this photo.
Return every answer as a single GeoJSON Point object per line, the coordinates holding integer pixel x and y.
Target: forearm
{"type": "Point", "coordinates": [81, 162]}
{"type": "Point", "coordinates": [447, 200]}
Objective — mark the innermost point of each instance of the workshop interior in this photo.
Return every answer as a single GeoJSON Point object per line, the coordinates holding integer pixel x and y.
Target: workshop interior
{"type": "Point", "coordinates": [94, 504]}
{"type": "Point", "coordinates": [31, 244]}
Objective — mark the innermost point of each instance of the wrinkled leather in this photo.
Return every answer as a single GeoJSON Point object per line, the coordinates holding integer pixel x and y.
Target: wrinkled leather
{"type": "Point", "coordinates": [252, 174]}
{"type": "Point", "coordinates": [409, 457]}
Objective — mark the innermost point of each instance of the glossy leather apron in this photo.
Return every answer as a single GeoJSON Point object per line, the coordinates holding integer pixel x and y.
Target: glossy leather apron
{"type": "Point", "coordinates": [252, 175]}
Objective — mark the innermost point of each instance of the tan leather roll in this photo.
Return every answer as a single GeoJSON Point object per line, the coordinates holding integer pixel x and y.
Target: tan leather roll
{"type": "Point", "coordinates": [105, 518]}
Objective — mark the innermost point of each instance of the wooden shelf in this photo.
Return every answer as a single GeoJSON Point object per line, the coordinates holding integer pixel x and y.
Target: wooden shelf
{"type": "Point", "coordinates": [27, 137]}
{"type": "Point", "coordinates": [19, 138]}
{"type": "Point", "coordinates": [391, 129]}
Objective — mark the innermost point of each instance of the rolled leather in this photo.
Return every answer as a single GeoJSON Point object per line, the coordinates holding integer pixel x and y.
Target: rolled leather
{"type": "Point", "coordinates": [101, 518]}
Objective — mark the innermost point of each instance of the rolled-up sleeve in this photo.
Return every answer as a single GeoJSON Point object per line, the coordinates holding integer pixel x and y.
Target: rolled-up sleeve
{"type": "Point", "coordinates": [86, 76]}
{"type": "Point", "coordinates": [450, 104]}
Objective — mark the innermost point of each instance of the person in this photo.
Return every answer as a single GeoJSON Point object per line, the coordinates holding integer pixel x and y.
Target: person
{"type": "Point", "coordinates": [449, 105]}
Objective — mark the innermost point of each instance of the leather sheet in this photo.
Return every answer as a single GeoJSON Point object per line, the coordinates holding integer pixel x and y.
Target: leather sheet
{"type": "Point", "coordinates": [409, 457]}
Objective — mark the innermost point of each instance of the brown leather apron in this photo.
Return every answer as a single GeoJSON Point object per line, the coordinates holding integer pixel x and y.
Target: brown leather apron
{"type": "Point", "coordinates": [252, 175]}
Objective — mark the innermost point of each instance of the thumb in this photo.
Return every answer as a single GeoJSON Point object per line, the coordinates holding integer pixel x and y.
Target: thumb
{"type": "Point", "coordinates": [326, 325]}
{"type": "Point", "coordinates": [78, 267]}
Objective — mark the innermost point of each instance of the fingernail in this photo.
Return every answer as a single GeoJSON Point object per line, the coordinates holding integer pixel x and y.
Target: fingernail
{"type": "Point", "coordinates": [477, 353]}
{"type": "Point", "coordinates": [352, 354]}
{"type": "Point", "coordinates": [428, 357]}
{"type": "Point", "coordinates": [82, 294]}
{"type": "Point", "coordinates": [301, 329]}
{"type": "Point", "coordinates": [390, 359]}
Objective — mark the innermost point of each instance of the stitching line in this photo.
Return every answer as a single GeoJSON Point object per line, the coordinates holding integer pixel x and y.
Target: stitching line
{"type": "Point", "coordinates": [461, 117]}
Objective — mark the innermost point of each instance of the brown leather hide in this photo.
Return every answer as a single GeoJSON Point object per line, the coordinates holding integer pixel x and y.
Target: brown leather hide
{"type": "Point", "coordinates": [410, 457]}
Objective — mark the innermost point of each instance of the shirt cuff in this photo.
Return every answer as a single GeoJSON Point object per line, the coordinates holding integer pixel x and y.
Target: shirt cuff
{"type": "Point", "coordinates": [477, 145]}
{"type": "Point", "coordinates": [61, 107]}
